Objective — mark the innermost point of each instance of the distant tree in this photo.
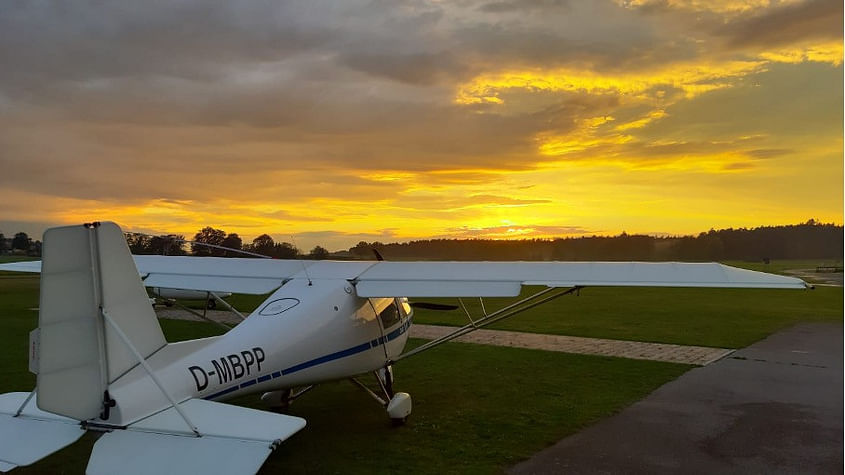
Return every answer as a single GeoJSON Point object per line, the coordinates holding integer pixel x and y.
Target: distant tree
{"type": "Point", "coordinates": [232, 241]}
{"type": "Point", "coordinates": [362, 249]}
{"type": "Point", "coordinates": [2, 243]}
{"type": "Point", "coordinates": [138, 243]}
{"type": "Point", "coordinates": [164, 245]}
{"type": "Point", "coordinates": [208, 235]}
{"type": "Point", "coordinates": [167, 245]}
{"type": "Point", "coordinates": [21, 241]}
{"type": "Point", "coordinates": [263, 245]}
{"type": "Point", "coordinates": [318, 253]}
{"type": "Point", "coordinates": [285, 250]}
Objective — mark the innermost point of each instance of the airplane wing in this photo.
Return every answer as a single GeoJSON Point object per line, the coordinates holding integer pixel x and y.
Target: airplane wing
{"type": "Point", "coordinates": [434, 278]}
{"type": "Point", "coordinates": [22, 266]}
{"type": "Point", "coordinates": [504, 279]}
{"type": "Point", "coordinates": [219, 274]}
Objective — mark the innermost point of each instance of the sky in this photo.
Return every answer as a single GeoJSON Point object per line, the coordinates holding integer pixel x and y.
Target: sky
{"type": "Point", "coordinates": [334, 122]}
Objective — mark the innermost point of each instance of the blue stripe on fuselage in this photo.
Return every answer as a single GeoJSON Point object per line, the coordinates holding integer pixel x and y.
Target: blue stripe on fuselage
{"type": "Point", "coordinates": [318, 361]}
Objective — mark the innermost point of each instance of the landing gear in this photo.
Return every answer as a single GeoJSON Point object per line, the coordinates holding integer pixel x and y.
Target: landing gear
{"type": "Point", "coordinates": [399, 408]}
{"type": "Point", "coordinates": [280, 401]}
{"type": "Point", "coordinates": [277, 401]}
{"type": "Point", "coordinates": [398, 405]}
{"type": "Point", "coordinates": [211, 304]}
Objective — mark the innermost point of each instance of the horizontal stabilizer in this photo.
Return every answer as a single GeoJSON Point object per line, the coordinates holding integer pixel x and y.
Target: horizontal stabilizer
{"type": "Point", "coordinates": [32, 435]}
{"type": "Point", "coordinates": [147, 453]}
{"type": "Point", "coordinates": [234, 440]}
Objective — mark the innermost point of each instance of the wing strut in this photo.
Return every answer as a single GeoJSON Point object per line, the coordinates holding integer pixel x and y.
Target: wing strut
{"type": "Point", "coordinates": [533, 300]}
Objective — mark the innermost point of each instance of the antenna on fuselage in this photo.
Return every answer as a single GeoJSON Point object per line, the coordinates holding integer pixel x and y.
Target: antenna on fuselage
{"type": "Point", "coordinates": [304, 267]}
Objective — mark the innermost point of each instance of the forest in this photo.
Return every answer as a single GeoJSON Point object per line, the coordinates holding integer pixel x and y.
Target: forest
{"type": "Point", "coordinates": [808, 240]}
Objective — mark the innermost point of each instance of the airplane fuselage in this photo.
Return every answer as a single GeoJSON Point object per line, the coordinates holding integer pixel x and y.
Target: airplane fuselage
{"type": "Point", "coordinates": [304, 333]}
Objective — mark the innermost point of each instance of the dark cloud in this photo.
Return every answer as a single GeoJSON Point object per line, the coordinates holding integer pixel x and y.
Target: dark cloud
{"type": "Point", "coordinates": [787, 24]}
{"type": "Point", "coordinates": [522, 5]}
{"type": "Point", "coordinates": [732, 28]}
{"type": "Point", "coordinates": [765, 153]}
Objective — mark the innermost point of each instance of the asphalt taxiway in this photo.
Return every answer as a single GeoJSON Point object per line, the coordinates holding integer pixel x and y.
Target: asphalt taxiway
{"type": "Point", "coordinates": [773, 407]}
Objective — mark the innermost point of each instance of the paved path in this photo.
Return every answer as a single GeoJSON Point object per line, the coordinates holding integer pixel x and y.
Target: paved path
{"type": "Point", "coordinates": [697, 355]}
{"type": "Point", "coordinates": [773, 407]}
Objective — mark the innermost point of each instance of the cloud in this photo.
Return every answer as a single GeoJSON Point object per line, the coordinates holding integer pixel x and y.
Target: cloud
{"type": "Point", "coordinates": [514, 232]}
{"type": "Point", "coordinates": [302, 114]}
{"type": "Point", "coordinates": [521, 6]}
{"type": "Point", "coordinates": [787, 24]}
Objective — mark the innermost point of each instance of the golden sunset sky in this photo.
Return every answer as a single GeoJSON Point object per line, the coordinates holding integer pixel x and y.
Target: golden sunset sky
{"type": "Point", "coordinates": [381, 120]}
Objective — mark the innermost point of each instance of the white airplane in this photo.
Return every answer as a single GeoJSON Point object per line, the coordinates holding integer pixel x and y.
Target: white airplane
{"type": "Point", "coordinates": [103, 365]}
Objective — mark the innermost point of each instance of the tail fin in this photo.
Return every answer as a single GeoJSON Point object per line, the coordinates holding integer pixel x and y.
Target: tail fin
{"type": "Point", "coordinates": [88, 270]}
{"type": "Point", "coordinates": [89, 279]}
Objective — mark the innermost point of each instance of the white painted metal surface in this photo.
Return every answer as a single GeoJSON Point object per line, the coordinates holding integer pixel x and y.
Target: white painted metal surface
{"type": "Point", "coordinates": [26, 266]}
{"type": "Point", "coordinates": [234, 440]}
{"type": "Point", "coordinates": [216, 274]}
{"type": "Point", "coordinates": [124, 298]}
{"type": "Point", "coordinates": [71, 372]}
{"type": "Point", "coordinates": [400, 406]}
{"type": "Point", "coordinates": [241, 285]}
{"type": "Point", "coordinates": [435, 278]}
{"type": "Point", "coordinates": [34, 434]}
{"type": "Point", "coordinates": [437, 288]}
{"type": "Point", "coordinates": [223, 420]}
{"type": "Point", "coordinates": [467, 279]}
{"type": "Point", "coordinates": [141, 453]}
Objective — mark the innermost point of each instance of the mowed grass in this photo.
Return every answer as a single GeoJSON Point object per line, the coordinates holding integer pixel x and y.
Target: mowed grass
{"type": "Point", "coordinates": [726, 318]}
{"type": "Point", "coordinates": [477, 409]}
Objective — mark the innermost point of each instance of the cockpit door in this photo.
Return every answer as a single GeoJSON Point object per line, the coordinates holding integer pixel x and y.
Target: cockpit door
{"type": "Point", "coordinates": [393, 321]}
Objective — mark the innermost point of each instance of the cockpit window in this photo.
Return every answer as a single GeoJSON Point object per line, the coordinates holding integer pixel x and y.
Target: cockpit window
{"type": "Point", "coordinates": [278, 306]}
{"type": "Point", "coordinates": [390, 315]}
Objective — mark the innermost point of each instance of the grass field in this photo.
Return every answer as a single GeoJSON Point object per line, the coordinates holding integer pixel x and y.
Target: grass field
{"type": "Point", "coordinates": [727, 318]}
{"type": "Point", "coordinates": [477, 409]}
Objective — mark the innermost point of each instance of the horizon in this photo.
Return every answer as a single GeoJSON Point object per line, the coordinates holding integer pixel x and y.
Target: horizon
{"type": "Point", "coordinates": [370, 121]}
{"type": "Point", "coordinates": [305, 250]}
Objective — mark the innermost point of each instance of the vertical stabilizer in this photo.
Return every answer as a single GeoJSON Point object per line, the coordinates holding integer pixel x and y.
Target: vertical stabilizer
{"type": "Point", "coordinates": [87, 270]}
{"type": "Point", "coordinates": [127, 303]}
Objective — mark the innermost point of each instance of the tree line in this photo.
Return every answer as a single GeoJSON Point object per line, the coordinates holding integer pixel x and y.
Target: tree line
{"type": "Point", "coordinates": [21, 243]}
{"type": "Point", "coordinates": [213, 242]}
{"type": "Point", "coordinates": [809, 240]}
